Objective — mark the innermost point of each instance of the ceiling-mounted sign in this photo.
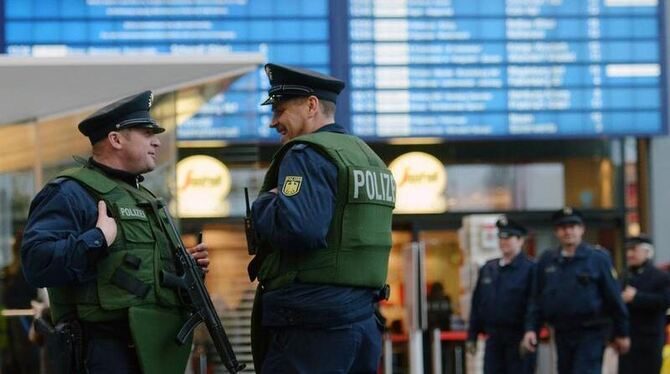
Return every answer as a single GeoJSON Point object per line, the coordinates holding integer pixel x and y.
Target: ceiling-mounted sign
{"type": "Point", "coordinates": [421, 180]}
{"type": "Point", "coordinates": [464, 69]}
{"type": "Point", "coordinates": [203, 183]}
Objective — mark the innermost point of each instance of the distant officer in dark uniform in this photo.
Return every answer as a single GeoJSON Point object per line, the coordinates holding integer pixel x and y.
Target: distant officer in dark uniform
{"type": "Point", "coordinates": [324, 214]}
{"type": "Point", "coordinates": [438, 308]}
{"type": "Point", "coordinates": [499, 304]}
{"type": "Point", "coordinates": [95, 238]}
{"type": "Point", "coordinates": [575, 292]}
{"type": "Point", "coordinates": [647, 295]}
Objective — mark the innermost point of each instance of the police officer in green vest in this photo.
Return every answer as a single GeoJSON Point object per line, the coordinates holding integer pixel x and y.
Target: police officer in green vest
{"type": "Point", "coordinates": [323, 217]}
{"type": "Point", "coordinates": [96, 238]}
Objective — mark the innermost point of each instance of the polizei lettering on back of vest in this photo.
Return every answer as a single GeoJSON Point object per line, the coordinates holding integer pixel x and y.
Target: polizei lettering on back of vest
{"type": "Point", "coordinates": [371, 185]}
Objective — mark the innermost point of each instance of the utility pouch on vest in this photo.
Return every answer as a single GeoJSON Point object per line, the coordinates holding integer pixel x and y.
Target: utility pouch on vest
{"type": "Point", "coordinates": [64, 345]}
{"type": "Point", "coordinates": [153, 331]}
{"type": "Point", "coordinates": [255, 264]}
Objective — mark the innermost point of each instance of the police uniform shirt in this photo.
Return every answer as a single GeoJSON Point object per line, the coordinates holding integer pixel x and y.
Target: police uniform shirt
{"type": "Point", "coordinates": [571, 293]}
{"type": "Point", "coordinates": [501, 296]}
{"type": "Point", "coordinates": [300, 222]}
{"type": "Point", "coordinates": [647, 310]}
{"type": "Point", "coordinates": [61, 243]}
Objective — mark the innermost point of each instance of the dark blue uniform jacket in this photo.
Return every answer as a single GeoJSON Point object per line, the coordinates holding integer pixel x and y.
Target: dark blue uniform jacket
{"type": "Point", "coordinates": [61, 244]}
{"type": "Point", "coordinates": [500, 299]}
{"type": "Point", "coordinates": [301, 223]}
{"type": "Point", "coordinates": [652, 299]}
{"type": "Point", "coordinates": [573, 293]}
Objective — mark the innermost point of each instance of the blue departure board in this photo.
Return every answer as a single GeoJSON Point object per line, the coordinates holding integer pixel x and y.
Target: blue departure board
{"type": "Point", "coordinates": [459, 69]}
{"type": "Point", "coordinates": [515, 68]}
{"type": "Point", "coordinates": [290, 32]}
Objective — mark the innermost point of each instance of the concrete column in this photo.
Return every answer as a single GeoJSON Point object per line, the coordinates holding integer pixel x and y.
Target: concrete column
{"type": "Point", "coordinates": [659, 199]}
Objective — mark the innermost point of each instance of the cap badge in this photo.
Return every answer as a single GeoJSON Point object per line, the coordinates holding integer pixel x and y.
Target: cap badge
{"type": "Point", "coordinates": [151, 99]}
{"type": "Point", "coordinates": [503, 220]}
{"type": "Point", "coordinates": [268, 71]}
{"type": "Point", "coordinates": [567, 210]}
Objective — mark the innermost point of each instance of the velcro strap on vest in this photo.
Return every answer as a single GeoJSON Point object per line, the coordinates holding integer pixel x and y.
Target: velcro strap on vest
{"type": "Point", "coordinates": [130, 283]}
{"type": "Point", "coordinates": [132, 261]}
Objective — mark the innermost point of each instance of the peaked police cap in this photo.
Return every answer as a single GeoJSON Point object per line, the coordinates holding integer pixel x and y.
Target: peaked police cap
{"type": "Point", "coordinates": [566, 216]}
{"type": "Point", "coordinates": [507, 227]}
{"type": "Point", "coordinates": [635, 240]}
{"type": "Point", "coordinates": [288, 82]}
{"type": "Point", "coordinates": [129, 112]}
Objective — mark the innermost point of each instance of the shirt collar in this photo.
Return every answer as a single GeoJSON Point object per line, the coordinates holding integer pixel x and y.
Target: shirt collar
{"type": "Point", "coordinates": [513, 263]}
{"type": "Point", "coordinates": [333, 127]}
{"type": "Point", "coordinates": [640, 269]}
{"type": "Point", "coordinates": [124, 176]}
{"type": "Point", "coordinates": [580, 252]}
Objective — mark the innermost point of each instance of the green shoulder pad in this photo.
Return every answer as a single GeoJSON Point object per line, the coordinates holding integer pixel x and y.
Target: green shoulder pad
{"type": "Point", "coordinates": [96, 181]}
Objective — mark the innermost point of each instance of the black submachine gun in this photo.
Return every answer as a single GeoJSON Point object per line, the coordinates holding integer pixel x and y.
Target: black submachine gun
{"type": "Point", "coordinates": [191, 283]}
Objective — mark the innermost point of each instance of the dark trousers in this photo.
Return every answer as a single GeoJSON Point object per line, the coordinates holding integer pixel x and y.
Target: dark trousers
{"type": "Point", "coordinates": [580, 351]}
{"type": "Point", "coordinates": [352, 348]}
{"type": "Point", "coordinates": [502, 354]}
{"type": "Point", "coordinates": [111, 356]}
{"type": "Point", "coordinates": [645, 355]}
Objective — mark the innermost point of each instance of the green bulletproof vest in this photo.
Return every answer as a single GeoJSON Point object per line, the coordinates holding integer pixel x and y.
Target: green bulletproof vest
{"type": "Point", "coordinates": [359, 236]}
{"type": "Point", "coordinates": [130, 274]}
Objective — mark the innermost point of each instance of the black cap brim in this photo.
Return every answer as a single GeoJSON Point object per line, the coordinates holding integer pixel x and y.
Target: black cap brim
{"type": "Point", "coordinates": [504, 234]}
{"type": "Point", "coordinates": [142, 123]}
{"type": "Point", "coordinates": [268, 101]}
{"type": "Point", "coordinates": [155, 128]}
{"type": "Point", "coordinates": [572, 220]}
{"type": "Point", "coordinates": [633, 241]}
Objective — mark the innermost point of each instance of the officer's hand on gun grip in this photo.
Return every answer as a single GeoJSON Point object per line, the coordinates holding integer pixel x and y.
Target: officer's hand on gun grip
{"type": "Point", "coordinates": [621, 344]}
{"type": "Point", "coordinates": [529, 342]}
{"type": "Point", "coordinates": [471, 346]}
{"type": "Point", "coordinates": [106, 224]}
{"type": "Point", "coordinates": [200, 255]}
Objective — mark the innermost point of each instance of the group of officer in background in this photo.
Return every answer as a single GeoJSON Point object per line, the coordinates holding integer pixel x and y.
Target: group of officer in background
{"type": "Point", "coordinates": [574, 289]}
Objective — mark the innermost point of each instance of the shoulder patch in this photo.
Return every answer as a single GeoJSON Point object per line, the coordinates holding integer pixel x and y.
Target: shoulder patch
{"type": "Point", "coordinates": [291, 185]}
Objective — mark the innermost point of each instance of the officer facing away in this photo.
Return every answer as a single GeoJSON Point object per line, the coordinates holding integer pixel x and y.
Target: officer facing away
{"type": "Point", "coordinates": [499, 304]}
{"type": "Point", "coordinates": [96, 239]}
{"type": "Point", "coordinates": [324, 214]}
{"type": "Point", "coordinates": [574, 291]}
{"type": "Point", "coordinates": [647, 295]}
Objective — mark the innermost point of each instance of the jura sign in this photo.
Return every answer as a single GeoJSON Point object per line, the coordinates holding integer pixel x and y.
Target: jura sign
{"type": "Point", "coordinates": [421, 180]}
{"type": "Point", "coordinates": [203, 183]}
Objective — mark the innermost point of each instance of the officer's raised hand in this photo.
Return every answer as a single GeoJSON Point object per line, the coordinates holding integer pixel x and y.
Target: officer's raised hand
{"type": "Point", "coordinates": [200, 255]}
{"type": "Point", "coordinates": [106, 224]}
